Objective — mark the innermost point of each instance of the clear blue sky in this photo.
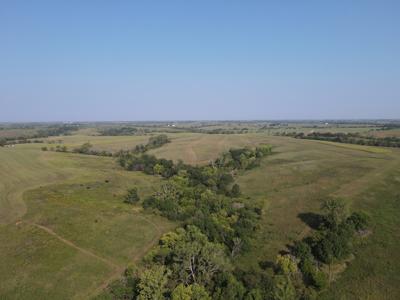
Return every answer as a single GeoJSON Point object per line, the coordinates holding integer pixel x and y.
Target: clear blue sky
{"type": "Point", "coordinates": [180, 60]}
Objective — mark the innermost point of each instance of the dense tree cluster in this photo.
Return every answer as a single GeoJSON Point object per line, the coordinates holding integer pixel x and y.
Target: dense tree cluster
{"type": "Point", "coordinates": [195, 261]}
{"type": "Point", "coordinates": [223, 219]}
{"type": "Point", "coordinates": [243, 158]}
{"type": "Point", "coordinates": [215, 176]}
{"type": "Point", "coordinates": [54, 130]}
{"type": "Point", "coordinates": [154, 142]}
{"type": "Point", "coordinates": [331, 243]}
{"type": "Point", "coordinates": [119, 131]}
{"type": "Point", "coordinates": [21, 140]}
{"type": "Point", "coordinates": [349, 138]}
{"type": "Point", "coordinates": [205, 196]}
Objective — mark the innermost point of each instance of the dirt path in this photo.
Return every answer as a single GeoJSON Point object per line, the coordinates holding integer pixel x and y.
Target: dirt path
{"type": "Point", "coordinates": [119, 271]}
{"type": "Point", "coordinates": [71, 244]}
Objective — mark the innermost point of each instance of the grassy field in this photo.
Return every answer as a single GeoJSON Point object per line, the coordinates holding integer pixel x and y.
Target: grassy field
{"type": "Point", "coordinates": [375, 273]}
{"type": "Point", "coordinates": [385, 133]}
{"type": "Point", "coordinates": [293, 182]}
{"type": "Point", "coordinates": [192, 148]}
{"type": "Point", "coordinates": [197, 148]}
{"type": "Point", "coordinates": [65, 232]}
{"type": "Point", "coordinates": [109, 143]}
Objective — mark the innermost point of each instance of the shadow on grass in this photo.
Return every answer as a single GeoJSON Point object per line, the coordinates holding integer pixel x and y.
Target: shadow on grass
{"type": "Point", "coordinates": [313, 220]}
{"type": "Point", "coordinates": [266, 264]}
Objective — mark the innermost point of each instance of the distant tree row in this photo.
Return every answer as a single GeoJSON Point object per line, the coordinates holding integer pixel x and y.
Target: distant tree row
{"type": "Point", "coordinates": [11, 141]}
{"type": "Point", "coordinates": [55, 130]}
{"type": "Point", "coordinates": [130, 130]}
{"type": "Point", "coordinates": [154, 142]}
{"type": "Point", "coordinates": [349, 138]}
{"type": "Point", "coordinates": [87, 148]}
{"type": "Point", "coordinates": [119, 131]}
{"type": "Point", "coordinates": [213, 131]}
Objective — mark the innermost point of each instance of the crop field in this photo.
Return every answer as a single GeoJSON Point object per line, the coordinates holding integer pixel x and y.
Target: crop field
{"type": "Point", "coordinates": [64, 231]}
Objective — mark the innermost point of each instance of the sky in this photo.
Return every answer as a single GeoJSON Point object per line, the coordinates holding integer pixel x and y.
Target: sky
{"type": "Point", "coordinates": [199, 60]}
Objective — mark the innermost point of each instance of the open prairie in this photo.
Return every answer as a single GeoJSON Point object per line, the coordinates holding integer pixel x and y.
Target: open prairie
{"type": "Point", "coordinates": [64, 231]}
{"type": "Point", "coordinates": [108, 143]}
{"type": "Point", "coordinates": [293, 182]}
{"type": "Point", "coordinates": [200, 149]}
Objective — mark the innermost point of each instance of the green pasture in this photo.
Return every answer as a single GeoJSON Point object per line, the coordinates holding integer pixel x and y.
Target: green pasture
{"type": "Point", "coordinates": [65, 231]}
{"type": "Point", "coordinates": [292, 184]}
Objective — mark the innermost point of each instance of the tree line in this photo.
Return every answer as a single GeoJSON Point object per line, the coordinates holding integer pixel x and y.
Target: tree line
{"type": "Point", "coordinates": [87, 148]}
{"type": "Point", "coordinates": [217, 223]}
{"type": "Point", "coordinates": [120, 131]}
{"type": "Point", "coordinates": [55, 130]}
{"type": "Point", "coordinates": [349, 138]}
{"type": "Point", "coordinates": [11, 141]}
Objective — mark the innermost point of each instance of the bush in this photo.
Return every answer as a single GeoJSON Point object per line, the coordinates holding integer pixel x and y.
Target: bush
{"type": "Point", "coordinates": [132, 196]}
{"type": "Point", "coordinates": [235, 191]}
{"type": "Point", "coordinates": [309, 294]}
{"type": "Point", "coordinates": [84, 149]}
{"type": "Point", "coordinates": [319, 279]}
{"type": "Point", "coordinates": [358, 220]}
{"type": "Point", "coordinates": [302, 251]}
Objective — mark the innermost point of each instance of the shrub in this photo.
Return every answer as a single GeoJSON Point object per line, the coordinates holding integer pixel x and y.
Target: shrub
{"type": "Point", "coordinates": [235, 191]}
{"type": "Point", "coordinates": [358, 220]}
{"type": "Point", "coordinates": [319, 279]}
{"type": "Point", "coordinates": [132, 196]}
